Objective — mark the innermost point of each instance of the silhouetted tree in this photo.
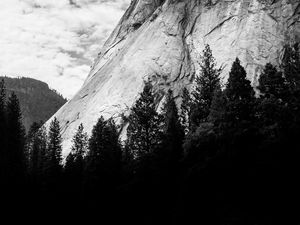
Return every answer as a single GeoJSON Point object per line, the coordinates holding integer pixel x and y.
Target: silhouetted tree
{"type": "Point", "coordinates": [240, 95]}
{"type": "Point", "coordinates": [53, 164]}
{"type": "Point", "coordinates": [15, 141]}
{"type": "Point", "coordinates": [35, 126]}
{"type": "Point", "coordinates": [37, 147]}
{"type": "Point", "coordinates": [205, 85]}
{"type": "Point", "coordinates": [272, 83]}
{"type": "Point", "coordinates": [3, 150]}
{"type": "Point", "coordinates": [103, 160]}
{"type": "Point", "coordinates": [2, 113]}
{"type": "Point", "coordinates": [144, 130]}
{"type": "Point", "coordinates": [185, 110]}
{"type": "Point", "coordinates": [29, 142]}
{"type": "Point", "coordinates": [75, 162]}
{"type": "Point", "coordinates": [274, 94]}
{"type": "Point", "coordinates": [173, 132]}
{"type": "Point", "coordinates": [217, 108]}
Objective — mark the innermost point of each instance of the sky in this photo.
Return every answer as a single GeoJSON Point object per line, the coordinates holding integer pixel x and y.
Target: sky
{"type": "Point", "coordinates": [55, 41]}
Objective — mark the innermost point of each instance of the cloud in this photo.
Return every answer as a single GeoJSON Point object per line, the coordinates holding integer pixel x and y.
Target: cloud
{"type": "Point", "coordinates": [55, 41]}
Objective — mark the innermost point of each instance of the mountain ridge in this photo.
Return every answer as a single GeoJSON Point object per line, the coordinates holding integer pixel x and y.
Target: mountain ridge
{"type": "Point", "coordinates": [162, 40]}
{"type": "Point", "coordinates": [37, 101]}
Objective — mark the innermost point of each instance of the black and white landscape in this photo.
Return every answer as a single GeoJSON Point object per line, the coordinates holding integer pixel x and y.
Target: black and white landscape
{"type": "Point", "coordinates": [187, 112]}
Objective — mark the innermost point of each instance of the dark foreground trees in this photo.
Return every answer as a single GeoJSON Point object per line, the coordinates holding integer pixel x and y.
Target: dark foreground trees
{"type": "Point", "coordinates": [74, 167]}
{"type": "Point", "coordinates": [103, 161]}
{"type": "Point", "coordinates": [238, 164]}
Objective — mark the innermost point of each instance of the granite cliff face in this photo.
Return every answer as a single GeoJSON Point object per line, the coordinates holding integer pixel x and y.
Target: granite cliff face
{"type": "Point", "coordinates": [162, 39]}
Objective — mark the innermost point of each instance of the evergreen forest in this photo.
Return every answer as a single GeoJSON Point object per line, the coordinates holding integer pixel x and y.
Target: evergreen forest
{"type": "Point", "coordinates": [222, 154]}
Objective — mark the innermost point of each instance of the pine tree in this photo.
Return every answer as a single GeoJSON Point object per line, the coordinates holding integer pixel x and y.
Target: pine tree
{"type": "Point", "coordinates": [29, 143]}
{"type": "Point", "coordinates": [217, 109]}
{"type": "Point", "coordinates": [205, 85]}
{"type": "Point", "coordinates": [75, 160]}
{"type": "Point", "coordinates": [15, 140]}
{"type": "Point", "coordinates": [54, 145]}
{"type": "Point", "coordinates": [144, 130]}
{"type": "Point", "coordinates": [240, 95]}
{"type": "Point", "coordinates": [37, 148]}
{"type": "Point", "coordinates": [53, 164]}
{"type": "Point", "coordinates": [103, 159]}
{"type": "Point", "coordinates": [33, 129]}
{"type": "Point", "coordinates": [3, 151]}
{"type": "Point", "coordinates": [274, 94]}
{"type": "Point", "coordinates": [173, 132]}
{"type": "Point", "coordinates": [185, 110]}
{"type": "Point", "coordinates": [272, 83]}
{"type": "Point", "coordinates": [2, 112]}
{"type": "Point", "coordinates": [79, 148]}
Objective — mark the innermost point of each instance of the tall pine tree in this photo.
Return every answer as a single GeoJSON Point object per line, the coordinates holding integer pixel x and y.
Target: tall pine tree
{"type": "Point", "coordinates": [173, 132]}
{"type": "Point", "coordinates": [274, 94]}
{"type": "Point", "coordinates": [3, 151]}
{"type": "Point", "coordinates": [103, 160]}
{"type": "Point", "coordinates": [217, 108]}
{"type": "Point", "coordinates": [144, 130]}
{"type": "Point", "coordinates": [240, 95]}
{"type": "Point", "coordinates": [15, 141]}
{"type": "Point", "coordinates": [53, 164]}
{"type": "Point", "coordinates": [37, 147]}
{"type": "Point", "coordinates": [272, 83]}
{"type": "Point", "coordinates": [205, 85]}
{"type": "Point", "coordinates": [79, 149]}
{"type": "Point", "coordinates": [185, 110]}
{"type": "Point", "coordinates": [75, 161]}
{"type": "Point", "coordinates": [2, 113]}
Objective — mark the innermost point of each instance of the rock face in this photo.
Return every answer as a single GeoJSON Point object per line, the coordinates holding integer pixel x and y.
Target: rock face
{"type": "Point", "coordinates": [162, 40]}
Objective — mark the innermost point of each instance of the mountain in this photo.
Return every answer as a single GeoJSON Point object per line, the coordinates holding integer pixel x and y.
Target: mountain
{"type": "Point", "coordinates": [162, 40]}
{"type": "Point", "coordinates": [38, 102]}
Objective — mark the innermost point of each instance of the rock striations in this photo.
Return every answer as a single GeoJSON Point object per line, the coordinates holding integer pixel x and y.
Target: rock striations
{"type": "Point", "coordinates": [162, 40]}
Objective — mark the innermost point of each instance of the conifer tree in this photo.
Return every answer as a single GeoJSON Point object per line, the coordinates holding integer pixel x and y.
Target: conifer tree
{"type": "Point", "coordinates": [79, 148]}
{"type": "Point", "coordinates": [2, 130]}
{"type": "Point", "coordinates": [144, 130]}
{"type": "Point", "coordinates": [173, 131]}
{"type": "Point", "coordinates": [37, 149]}
{"type": "Point", "coordinates": [33, 129]}
{"type": "Point", "coordinates": [15, 140]}
{"type": "Point", "coordinates": [185, 110]}
{"type": "Point", "coordinates": [274, 94]}
{"type": "Point", "coordinates": [2, 112]}
{"type": "Point", "coordinates": [240, 95]}
{"type": "Point", "coordinates": [205, 85]}
{"type": "Point", "coordinates": [53, 164]}
{"type": "Point", "coordinates": [104, 156]}
{"type": "Point", "coordinates": [75, 160]}
{"type": "Point", "coordinates": [217, 108]}
{"type": "Point", "coordinates": [29, 143]}
{"type": "Point", "coordinates": [272, 83]}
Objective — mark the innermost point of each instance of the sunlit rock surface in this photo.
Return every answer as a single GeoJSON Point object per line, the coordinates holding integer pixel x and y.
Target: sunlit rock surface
{"type": "Point", "coordinates": [163, 40]}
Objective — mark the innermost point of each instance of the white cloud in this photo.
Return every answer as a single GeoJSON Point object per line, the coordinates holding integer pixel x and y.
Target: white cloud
{"type": "Point", "coordinates": [55, 41]}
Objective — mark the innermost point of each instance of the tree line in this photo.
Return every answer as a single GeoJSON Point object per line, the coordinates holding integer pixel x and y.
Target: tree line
{"type": "Point", "coordinates": [227, 155]}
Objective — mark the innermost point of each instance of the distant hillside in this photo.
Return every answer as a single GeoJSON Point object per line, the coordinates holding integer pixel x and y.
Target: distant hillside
{"type": "Point", "coordinates": [38, 102]}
